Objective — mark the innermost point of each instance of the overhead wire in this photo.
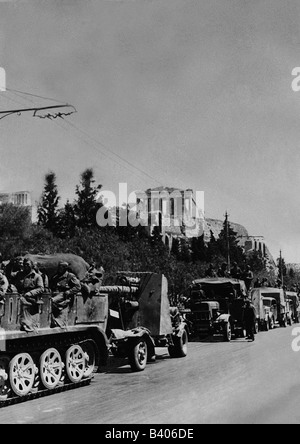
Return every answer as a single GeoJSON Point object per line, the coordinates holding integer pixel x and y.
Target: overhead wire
{"type": "Point", "coordinates": [85, 135]}
{"type": "Point", "coordinates": [115, 154]}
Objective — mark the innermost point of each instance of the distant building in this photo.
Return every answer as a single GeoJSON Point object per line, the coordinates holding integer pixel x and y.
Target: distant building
{"type": "Point", "coordinates": [176, 213]}
{"type": "Point", "coordinates": [20, 198]}
{"type": "Point", "coordinates": [254, 243]}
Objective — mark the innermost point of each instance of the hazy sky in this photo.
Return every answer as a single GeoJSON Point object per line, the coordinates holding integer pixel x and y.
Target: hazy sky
{"type": "Point", "coordinates": [189, 93]}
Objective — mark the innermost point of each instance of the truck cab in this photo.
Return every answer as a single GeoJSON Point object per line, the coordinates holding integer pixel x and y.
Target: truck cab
{"type": "Point", "coordinates": [270, 310]}
{"type": "Point", "coordinates": [204, 316]}
{"type": "Point", "coordinates": [217, 306]}
{"type": "Point", "coordinates": [294, 306]}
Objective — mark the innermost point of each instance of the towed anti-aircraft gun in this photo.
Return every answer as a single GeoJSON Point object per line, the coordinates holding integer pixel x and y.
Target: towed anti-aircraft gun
{"type": "Point", "coordinates": [141, 319]}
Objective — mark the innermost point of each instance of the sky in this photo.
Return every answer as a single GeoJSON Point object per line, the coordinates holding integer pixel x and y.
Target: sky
{"type": "Point", "coordinates": [183, 93]}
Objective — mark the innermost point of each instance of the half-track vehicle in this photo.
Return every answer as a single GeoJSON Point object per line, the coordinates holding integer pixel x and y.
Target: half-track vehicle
{"type": "Point", "coordinates": [129, 318]}
{"type": "Point", "coordinates": [217, 306]}
{"type": "Point", "coordinates": [50, 358]}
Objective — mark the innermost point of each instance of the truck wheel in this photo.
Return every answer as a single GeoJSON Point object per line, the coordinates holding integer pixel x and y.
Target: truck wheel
{"type": "Point", "coordinates": [138, 356]}
{"type": "Point", "coordinates": [179, 349]}
{"type": "Point", "coordinates": [227, 332]}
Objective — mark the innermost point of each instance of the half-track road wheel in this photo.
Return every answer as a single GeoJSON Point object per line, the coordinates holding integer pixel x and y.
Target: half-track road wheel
{"type": "Point", "coordinates": [75, 363]}
{"type": "Point", "coordinates": [4, 383]}
{"type": "Point", "coordinates": [22, 372]}
{"type": "Point", "coordinates": [138, 355]}
{"type": "Point", "coordinates": [51, 367]}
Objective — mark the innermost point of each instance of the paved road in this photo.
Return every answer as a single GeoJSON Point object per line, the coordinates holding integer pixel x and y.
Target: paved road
{"type": "Point", "coordinates": [237, 382]}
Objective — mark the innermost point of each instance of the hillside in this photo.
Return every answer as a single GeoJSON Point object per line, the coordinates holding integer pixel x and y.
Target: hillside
{"type": "Point", "coordinates": [216, 226]}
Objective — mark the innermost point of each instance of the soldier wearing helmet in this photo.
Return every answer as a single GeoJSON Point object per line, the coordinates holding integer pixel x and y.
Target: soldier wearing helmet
{"type": "Point", "coordinates": [30, 285]}
{"type": "Point", "coordinates": [66, 285]}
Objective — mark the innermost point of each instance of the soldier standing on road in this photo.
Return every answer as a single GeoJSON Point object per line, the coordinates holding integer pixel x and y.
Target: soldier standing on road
{"type": "Point", "coordinates": [66, 285]}
{"type": "Point", "coordinates": [249, 319]}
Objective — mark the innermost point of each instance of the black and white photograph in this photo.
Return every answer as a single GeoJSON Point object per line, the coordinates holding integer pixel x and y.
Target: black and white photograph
{"type": "Point", "coordinates": [149, 214]}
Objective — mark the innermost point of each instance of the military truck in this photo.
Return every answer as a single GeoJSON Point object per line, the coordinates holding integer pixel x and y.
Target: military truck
{"type": "Point", "coordinates": [271, 307]}
{"type": "Point", "coordinates": [294, 306]}
{"type": "Point", "coordinates": [265, 308]}
{"type": "Point", "coordinates": [217, 306]}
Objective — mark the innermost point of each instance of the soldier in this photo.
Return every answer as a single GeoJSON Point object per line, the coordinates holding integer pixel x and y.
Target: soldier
{"type": "Point", "coordinates": [211, 272]}
{"type": "Point", "coordinates": [235, 271]}
{"type": "Point", "coordinates": [92, 281]}
{"type": "Point", "coordinates": [222, 272]}
{"type": "Point", "coordinates": [30, 285]}
{"type": "Point", "coordinates": [3, 287]}
{"type": "Point", "coordinates": [249, 319]}
{"type": "Point", "coordinates": [13, 268]}
{"type": "Point", "coordinates": [248, 277]}
{"type": "Point", "coordinates": [42, 272]}
{"type": "Point", "coordinates": [66, 285]}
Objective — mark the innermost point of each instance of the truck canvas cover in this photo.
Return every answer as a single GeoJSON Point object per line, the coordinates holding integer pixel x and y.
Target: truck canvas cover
{"type": "Point", "coordinates": [216, 287]}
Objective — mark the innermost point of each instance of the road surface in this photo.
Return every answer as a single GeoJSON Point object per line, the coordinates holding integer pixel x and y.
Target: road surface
{"type": "Point", "coordinates": [239, 382]}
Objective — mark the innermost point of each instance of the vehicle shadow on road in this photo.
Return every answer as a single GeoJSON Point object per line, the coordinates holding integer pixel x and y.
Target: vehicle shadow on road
{"type": "Point", "coordinates": [121, 366]}
{"type": "Point", "coordinates": [214, 339]}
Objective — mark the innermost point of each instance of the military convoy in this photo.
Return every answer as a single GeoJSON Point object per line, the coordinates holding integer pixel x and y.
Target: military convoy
{"type": "Point", "coordinates": [275, 306]}
{"type": "Point", "coordinates": [129, 318]}
{"type": "Point", "coordinates": [215, 306]}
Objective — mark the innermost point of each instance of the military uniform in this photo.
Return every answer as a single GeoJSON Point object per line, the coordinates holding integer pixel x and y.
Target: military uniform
{"type": "Point", "coordinates": [91, 283]}
{"type": "Point", "coordinates": [3, 286]}
{"type": "Point", "coordinates": [66, 286]}
{"type": "Point", "coordinates": [249, 319]}
{"type": "Point", "coordinates": [30, 286]}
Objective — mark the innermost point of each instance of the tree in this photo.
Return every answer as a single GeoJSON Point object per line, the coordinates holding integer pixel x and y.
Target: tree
{"type": "Point", "coordinates": [256, 261]}
{"type": "Point", "coordinates": [48, 207]}
{"type": "Point", "coordinates": [228, 244]}
{"type": "Point", "coordinates": [67, 221]}
{"type": "Point", "coordinates": [15, 221]}
{"type": "Point", "coordinates": [199, 249]}
{"type": "Point", "coordinates": [15, 228]}
{"type": "Point", "coordinates": [86, 205]}
{"type": "Point", "coordinates": [282, 269]}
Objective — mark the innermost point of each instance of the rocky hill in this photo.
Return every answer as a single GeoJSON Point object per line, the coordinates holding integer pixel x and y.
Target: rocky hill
{"type": "Point", "coordinates": [216, 226]}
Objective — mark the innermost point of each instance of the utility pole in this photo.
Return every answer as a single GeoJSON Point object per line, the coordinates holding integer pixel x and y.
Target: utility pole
{"type": "Point", "coordinates": [227, 241]}
{"type": "Point", "coordinates": [280, 267]}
